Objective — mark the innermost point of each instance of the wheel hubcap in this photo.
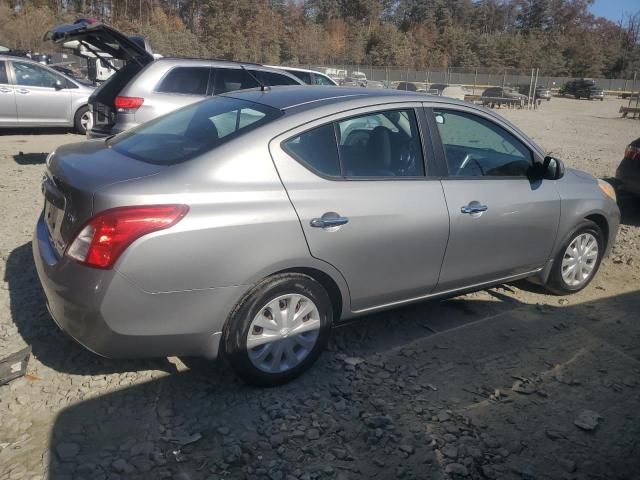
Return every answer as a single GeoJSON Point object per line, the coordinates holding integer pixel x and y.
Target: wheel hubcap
{"type": "Point", "coordinates": [85, 120]}
{"type": "Point", "coordinates": [579, 260]}
{"type": "Point", "coordinates": [283, 333]}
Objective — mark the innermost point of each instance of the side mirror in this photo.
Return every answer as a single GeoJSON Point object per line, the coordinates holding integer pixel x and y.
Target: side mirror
{"type": "Point", "coordinates": [552, 168]}
{"type": "Point", "coordinates": [58, 85]}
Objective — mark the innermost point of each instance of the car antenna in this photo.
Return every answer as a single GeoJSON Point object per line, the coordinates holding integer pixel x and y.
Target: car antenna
{"type": "Point", "coordinates": [263, 87]}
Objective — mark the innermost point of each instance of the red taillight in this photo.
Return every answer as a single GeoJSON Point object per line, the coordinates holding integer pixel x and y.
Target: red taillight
{"type": "Point", "coordinates": [125, 104]}
{"type": "Point", "coordinates": [108, 234]}
{"type": "Point", "coordinates": [632, 153]}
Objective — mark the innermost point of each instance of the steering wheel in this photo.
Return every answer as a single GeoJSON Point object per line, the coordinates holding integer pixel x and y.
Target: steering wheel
{"type": "Point", "coordinates": [468, 158]}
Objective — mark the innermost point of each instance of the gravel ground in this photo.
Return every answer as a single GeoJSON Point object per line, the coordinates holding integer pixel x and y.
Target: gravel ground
{"type": "Point", "coordinates": [506, 383]}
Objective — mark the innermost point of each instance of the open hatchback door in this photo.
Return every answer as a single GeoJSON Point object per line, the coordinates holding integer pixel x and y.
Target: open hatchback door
{"type": "Point", "coordinates": [97, 37]}
{"type": "Point", "coordinates": [96, 40]}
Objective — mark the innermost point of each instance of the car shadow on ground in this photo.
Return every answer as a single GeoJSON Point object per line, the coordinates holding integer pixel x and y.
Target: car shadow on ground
{"type": "Point", "coordinates": [30, 158]}
{"type": "Point", "coordinates": [6, 132]}
{"type": "Point", "coordinates": [190, 425]}
{"type": "Point", "coordinates": [629, 209]}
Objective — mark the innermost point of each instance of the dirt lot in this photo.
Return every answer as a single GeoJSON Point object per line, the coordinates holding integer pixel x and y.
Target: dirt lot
{"type": "Point", "coordinates": [507, 383]}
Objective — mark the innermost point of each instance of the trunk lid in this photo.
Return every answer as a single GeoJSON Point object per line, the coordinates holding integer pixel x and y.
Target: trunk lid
{"type": "Point", "coordinates": [73, 175]}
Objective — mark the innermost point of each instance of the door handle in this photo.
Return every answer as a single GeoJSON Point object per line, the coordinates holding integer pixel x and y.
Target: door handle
{"type": "Point", "coordinates": [326, 222]}
{"type": "Point", "coordinates": [5, 90]}
{"type": "Point", "coordinates": [23, 91]}
{"type": "Point", "coordinates": [474, 208]}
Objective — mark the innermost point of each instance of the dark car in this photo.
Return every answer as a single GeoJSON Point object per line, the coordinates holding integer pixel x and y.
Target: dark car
{"type": "Point", "coordinates": [493, 96]}
{"type": "Point", "coordinates": [628, 172]}
{"type": "Point", "coordinates": [583, 88]}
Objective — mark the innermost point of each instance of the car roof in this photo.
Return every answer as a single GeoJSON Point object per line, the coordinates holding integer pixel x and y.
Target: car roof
{"type": "Point", "coordinates": [182, 61]}
{"type": "Point", "coordinates": [308, 97]}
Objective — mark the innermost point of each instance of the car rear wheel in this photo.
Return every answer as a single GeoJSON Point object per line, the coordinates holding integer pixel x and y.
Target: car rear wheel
{"type": "Point", "coordinates": [83, 120]}
{"type": "Point", "coordinates": [578, 260]}
{"type": "Point", "coordinates": [278, 330]}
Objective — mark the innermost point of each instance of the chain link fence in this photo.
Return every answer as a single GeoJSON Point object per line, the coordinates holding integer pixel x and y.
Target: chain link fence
{"type": "Point", "coordinates": [474, 78]}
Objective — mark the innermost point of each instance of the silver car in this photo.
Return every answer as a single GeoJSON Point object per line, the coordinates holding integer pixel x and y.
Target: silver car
{"type": "Point", "coordinates": [246, 225]}
{"type": "Point", "coordinates": [34, 95]}
{"type": "Point", "coordinates": [147, 87]}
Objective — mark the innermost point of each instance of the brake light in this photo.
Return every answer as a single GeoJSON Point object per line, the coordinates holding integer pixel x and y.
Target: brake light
{"type": "Point", "coordinates": [103, 239]}
{"type": "Point", "coordinates": [632, 153]}
{"type": "Point", "coordinates": [128, 104]}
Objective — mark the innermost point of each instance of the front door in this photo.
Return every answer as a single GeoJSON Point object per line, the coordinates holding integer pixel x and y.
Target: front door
{"type": "Point", "coordinates": [366, 205]}
{"type": "Point", "coordinates": [8, 114]}
{"type": "Point", "coordinates": [38, 101]}
{"type": "Point", "coordinates": [503, 221]}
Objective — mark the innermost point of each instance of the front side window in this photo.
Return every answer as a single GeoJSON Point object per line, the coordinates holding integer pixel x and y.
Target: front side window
{"type": "Point", "coordinates": [322, 80]}
{"type": "Point", "coordinates": [192, 130]}
{"type": "Point", "coordinates": [304, 76]}
{"type": "Point", "coordinates": [477, 147]}
{"type": "Point", "coordinates": [30, 75]}
{"type": "Point", "coordinates": [383, 144]}
{"type": "Point", "coordinates": [186, 80]}
{"type": "Point", "coordinates": [231, 79]}
{"type": "Point", "coordinates": [273, 79]}
{"type": "Point", "coordinates": [3, 73]}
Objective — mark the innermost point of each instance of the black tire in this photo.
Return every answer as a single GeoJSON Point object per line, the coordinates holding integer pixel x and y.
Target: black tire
{"type": "Point", "coordinates": [234, 335]}
{"type": "Point", "coordinates": [556, 283]}
{"type": "Point", "coordinates": [77, 120]}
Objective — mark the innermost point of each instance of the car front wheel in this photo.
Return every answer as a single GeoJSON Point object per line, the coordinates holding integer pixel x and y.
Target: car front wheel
{"type": "Point", "coordinates": [578, 260]}
{"type": "Point", "coordinates": [278, 330]}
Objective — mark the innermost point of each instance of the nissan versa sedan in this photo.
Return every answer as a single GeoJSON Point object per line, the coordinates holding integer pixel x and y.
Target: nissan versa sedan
{"type": "Point", "coordinates": [247, 224]}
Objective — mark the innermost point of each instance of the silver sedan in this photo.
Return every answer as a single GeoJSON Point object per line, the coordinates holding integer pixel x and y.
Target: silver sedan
{"type": "Point", "coordinates": [34, 95]}
{"type": "Point", "coordinates": [246, 225]}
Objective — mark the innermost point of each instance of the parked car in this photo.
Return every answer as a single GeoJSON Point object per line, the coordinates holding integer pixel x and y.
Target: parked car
{"type": "Point", "coordinates": [628, 172]}
{"type": "Point", "coordinates": [146, 87]}
{"type": "Point", "coordinates": [543, 93]}
{"type": "Point", "coordinates": [540, 93]}
{"type": "Point", "coordinates": [35, 95]}
{"type": "Point", "coordinates": [247, 224]}
{"type": "Point", "coordinates": [412, 86]}
{"type": "Point", "coordinates": [309, 77]}
{"type": "Point", "coordinates": [582, 88]}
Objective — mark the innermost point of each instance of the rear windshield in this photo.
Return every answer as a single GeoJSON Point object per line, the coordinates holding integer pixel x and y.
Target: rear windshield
{"type": "Point", "coordinates": [193, 130]}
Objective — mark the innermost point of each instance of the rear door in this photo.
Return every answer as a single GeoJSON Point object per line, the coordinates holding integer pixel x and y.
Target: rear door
{"type": "Point", "coordinates": [8, 112]}
{"type": "Point", "coordinates": [38, 100]}
{"type": "Point", "coordinates": [504, 221]}
{"type": "Point", "coordinates": [360, 186]}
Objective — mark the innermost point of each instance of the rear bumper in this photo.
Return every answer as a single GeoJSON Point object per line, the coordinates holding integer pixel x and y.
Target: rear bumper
{"type": "Point", "coordinates": [628, 176]}
{"type": "Point", "coordinates": [107, 314]}
{"type": "Point", "coordinates": [101, 132]}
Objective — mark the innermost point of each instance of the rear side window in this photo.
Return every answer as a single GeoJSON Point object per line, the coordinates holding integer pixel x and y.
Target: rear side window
{"type": "Point", "coordinates": [193, 130]}
{"type": "Point", "coordinates": [231, 79]}
{"type": "Point", "coordinates": [3, 73]}
{"type": "Point", "coordinates": [273, 79]}
{"type": "Point", "coordinates": [378, 145]}
{"type": "Point", "coordinates": [186, 80]}
{"type": "Point", "coordinates": [316, 148]}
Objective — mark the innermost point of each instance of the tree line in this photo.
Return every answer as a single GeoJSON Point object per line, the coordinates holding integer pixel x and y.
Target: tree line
{"type": "Point", "coordinates": [561, 37]}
